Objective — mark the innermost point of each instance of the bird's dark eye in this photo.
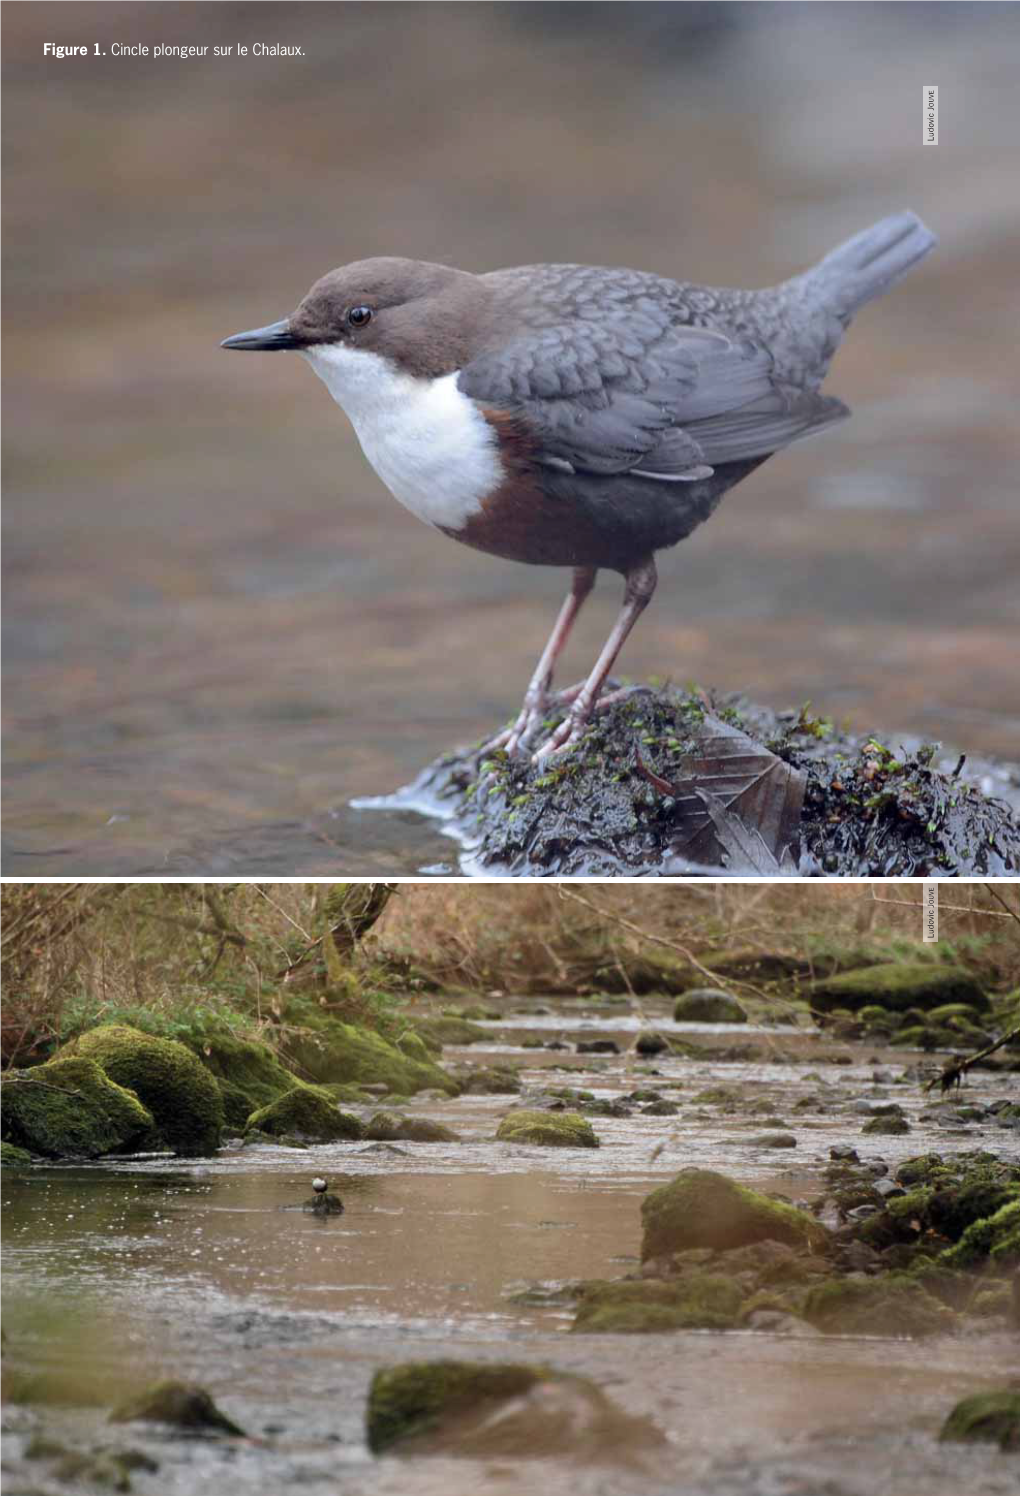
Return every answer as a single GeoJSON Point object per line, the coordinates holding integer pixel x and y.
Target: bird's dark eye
{"type": "Point", "coordinates": [359, 316]}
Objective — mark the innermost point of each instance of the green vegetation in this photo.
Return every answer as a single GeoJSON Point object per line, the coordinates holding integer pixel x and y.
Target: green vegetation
{"type": "Point", "coordinates": [988, 1417]}
{"type": "Point", "coordinates": [897, 986]}
{"type": "Point", "coordinates": [698, 1301]}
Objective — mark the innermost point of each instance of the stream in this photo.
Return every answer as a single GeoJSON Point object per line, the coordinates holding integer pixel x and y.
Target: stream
{"type": "Point", "coordinates": [121, 1273]}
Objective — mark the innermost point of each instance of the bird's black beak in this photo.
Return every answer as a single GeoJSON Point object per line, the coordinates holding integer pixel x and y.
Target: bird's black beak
{"type": "Point", "coordinates": [269, 339]}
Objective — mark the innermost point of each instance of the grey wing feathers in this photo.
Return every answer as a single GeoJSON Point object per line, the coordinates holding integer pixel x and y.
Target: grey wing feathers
{"type": "Point", "coordinates": [627, 395]}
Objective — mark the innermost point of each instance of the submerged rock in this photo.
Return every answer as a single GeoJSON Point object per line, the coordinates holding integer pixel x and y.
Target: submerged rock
{"type": "Point", "coordinates": [990, 1417]}
{"type": "Point", "coordinates": [324, 1204]}
{"type": "Point", "coordinates": [392, 1127]}
{"type": "Point", "coordinates": [547, 1129]}
{"type": "Point", "coordinates": [662, 784]}
{"type": "Point", "coordinates": [700, 1208]}
{"type": "Point", "coordinates": [648, 1042]}
{"type": "Point", "coordinates": [178, 1090]}
{"type": "Point", "coordinates": [483, 1410]}
{"type": "Point", "coordinates": [887, 1305]}
{"type": "Point", "coordinates": [70, 1108]}
{"type": "Point", "coordinates": [184, 1404]}
{"type": "Point", "coordinates": [708, 1005]}
{"type": "Point", "coordinates": [698, 1301]}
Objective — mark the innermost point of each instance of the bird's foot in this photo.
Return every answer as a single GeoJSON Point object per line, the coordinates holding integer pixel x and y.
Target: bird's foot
{"type": "Point", "coordinates": [572, 729]}
{"type": "Point", "coordinates": [532, 717]}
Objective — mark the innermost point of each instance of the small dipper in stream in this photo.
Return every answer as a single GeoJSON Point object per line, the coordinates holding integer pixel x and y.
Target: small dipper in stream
{"type": "Point", "coordinates": [321, 1202]}
{"type": "Point", "coordinates": [567, 415]}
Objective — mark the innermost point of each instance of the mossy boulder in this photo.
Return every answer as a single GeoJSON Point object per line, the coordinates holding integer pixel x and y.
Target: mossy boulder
{"type": "Point", "coordinates": [248, 1073]}
{"type": "Point", "coordinates": [392, 1127]}
{"type": "Point", "coordinates": [447, 1029]}
{"type": "Point", "coordinates": [491, 1080]}
{"type": "Point", "coordinates": [167, 1077]}
{"type": "Point", "coordinates": [491, 1410]}
{"type": "Point", "coordinates": [888, 1124]}
{"type": "Point", "coordinates": [988, 1417]}
{"type": "Point", "coordinates": [71, 1108]}
{"type": "Point", "coordinates": [897, 986]}
{"type": "Point", "coordinates": [890, 1304]}
{"type": "Point", "coordinates": [993, 1241]}
{"type": "Point", "coordinates": [708, 1005]}
{"type": "Point", "coordinates": [14, 1158]}
{"type": "Point", "coordinates": [697, 1301]}
{"type": "Point", "coordinates": [183, 1404]}
{"type": "Point", "coordinates": [327, 1050]}
{"type": "Point", "coordinates": [547, 1129]}
{"type": "Point", "coordinates": [700, 1208]}
{"type": "Point", "coordinates": [307, 1113]}
{"type": "Point", "coordinates": [413, 1044]}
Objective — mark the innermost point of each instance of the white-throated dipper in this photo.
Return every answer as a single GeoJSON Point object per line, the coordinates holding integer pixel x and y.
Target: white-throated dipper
{"type": "Point", "coordinates": [568, 415]}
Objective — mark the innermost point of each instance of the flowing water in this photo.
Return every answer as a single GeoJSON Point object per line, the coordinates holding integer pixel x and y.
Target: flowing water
{"type": "Point", "coordinates": [121, 1273]}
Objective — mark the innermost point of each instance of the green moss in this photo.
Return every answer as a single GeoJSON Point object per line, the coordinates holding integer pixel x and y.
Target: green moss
{"type": "Point", "coordinates": [990, 1417]}
{"type": "Point", "coordinates": [413, 1045]}
{"type": "Point", "coordinates": [391, 1127]}
{"type": "Point", "coordinates": [14, 1158]}
{"type": "Point", "coordinates": [492, 1080]}
{"type": "Point", "coordinates": [183, 1404]}
{"type": "Point", "coordinates": [700, 1208]}
{"type": "Point", "coordinates": [887, 1305]}
{"type": "Point", "coordinates": [995, 1240]}
{"type": "Point", "coordinates": [70, 1108]}
{"type": "Point", "coordinates": [698, 1301]}
{"type": "Point", "coordinates": [308, 1113]}
{"type": "Point", "coordinates": [877, 1019]}
{"type": "Point", "coordinates": [921, 1170]}
{"type": "Point", "coordinates": [248, 1073]}
{"type": "Point", "coordinates": [330, 1051]}
{"type": "Point", "coordinates": [179, 1091]}
{"type": "Point", "coordinates": [547, 1129]}
{"type": "Point", "coordinates": [897, 986]}
{"type": "Point", "coordinates": [412, 1399]}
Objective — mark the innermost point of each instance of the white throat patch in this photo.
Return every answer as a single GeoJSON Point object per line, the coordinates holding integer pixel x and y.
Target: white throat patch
{"type": "Point", "coordinates": [429, 443]}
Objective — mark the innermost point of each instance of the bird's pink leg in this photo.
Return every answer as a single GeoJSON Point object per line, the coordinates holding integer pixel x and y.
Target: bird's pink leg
{"type": "Point", "coordinates": [536, 698]}
{"type": "Point", "coordinates": [641, 580]}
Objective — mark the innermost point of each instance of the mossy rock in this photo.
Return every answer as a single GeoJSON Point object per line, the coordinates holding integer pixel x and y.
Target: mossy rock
{"type": "Point", "coordinates": [446, 1029]}
{"type": "Point", "coordinates": [71, 1108]}
{"type": "Point", "coordinates": [14, 1158]}
{"type": "Point", "coordinates": [547, 1130]}
{"type": "Point", "coordinates": [708, 1005]}
{"type": "Point", "coordinates": [887, 1305]}
{"type": "Point", "coordinates": [178, 1090]}
{"type": "Point", "coordinates": [412, 1399]}
{"type": "Point", "coordinates": [248, 1073]}
{"type": "Point", "coordinates": [889, 1124]}
{"type": "Point", "coordinates": [950, 1011]}
{"type": "Point", "coordinates": [331, 1051]}
{"type": "Point", "coordinates": [877, 1020]}
{"type": "Point", "coordinates": [701, 1208]}
{"type": "Point", "coordinates": [392, 1127]}
{"type": "Point", "coordinates": [897, 986]}
{"type": "Point", "coordinates": [926, 1168]}
{"type": "Point", "coordinates": [994, 1240]}
{"type": "Point", "coordinates": [698, 1301]}
{"type": "Point", "coordinates": [491, 1080]}
{"type": "Point", "coordinates": [183, 1404]}
{"type": "Point", "coordinates": [988, 1417]}
{"type": "Point", "coordinates": [308, 1113]}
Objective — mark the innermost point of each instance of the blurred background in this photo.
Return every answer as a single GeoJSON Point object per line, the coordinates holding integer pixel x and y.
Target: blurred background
{"type": "Point", "coordinates": [219, 626]}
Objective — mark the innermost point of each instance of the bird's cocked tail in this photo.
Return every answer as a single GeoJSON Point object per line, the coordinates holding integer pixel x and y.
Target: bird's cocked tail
{"type": "Point", "coordinates": [869, 263]}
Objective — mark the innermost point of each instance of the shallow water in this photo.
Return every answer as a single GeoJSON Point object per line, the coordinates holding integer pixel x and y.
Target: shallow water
{"type": "Point", "coordinates": [219, 628]}
{"type": "Point", "coordinates": [144, 1268]}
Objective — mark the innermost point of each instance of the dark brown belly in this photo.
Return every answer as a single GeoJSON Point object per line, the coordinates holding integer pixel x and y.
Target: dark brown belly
{"type": "Point", "coordinates": [574, 519]}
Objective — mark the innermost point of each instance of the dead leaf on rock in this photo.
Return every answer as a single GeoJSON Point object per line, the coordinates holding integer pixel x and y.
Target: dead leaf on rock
{"type": "Point", "coordinates": [738, 805]}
